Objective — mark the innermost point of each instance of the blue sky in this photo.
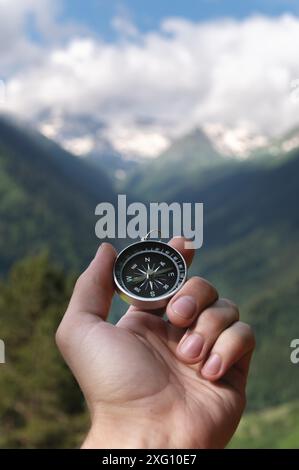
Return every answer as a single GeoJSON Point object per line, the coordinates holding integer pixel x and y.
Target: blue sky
{"type": "Point", "coordinates": [148, 14]}
{"type": "Point", "coordinates": [90, 73]}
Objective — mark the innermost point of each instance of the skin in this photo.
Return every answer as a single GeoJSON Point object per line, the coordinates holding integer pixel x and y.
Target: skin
{"type": "Point", "coordinates": [144, 389]}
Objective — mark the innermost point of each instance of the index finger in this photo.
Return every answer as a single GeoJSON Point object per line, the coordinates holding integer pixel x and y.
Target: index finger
{"type": "Point", "coordinates": [179, 244]}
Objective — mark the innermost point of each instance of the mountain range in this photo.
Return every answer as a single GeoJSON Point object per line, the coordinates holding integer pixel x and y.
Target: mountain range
{"type": "Point", "coordinates": [47, 198]}
{"type": "Point", "coordinates": [251, 226]}
{"type": "Point", "coordinates": [251, 241]}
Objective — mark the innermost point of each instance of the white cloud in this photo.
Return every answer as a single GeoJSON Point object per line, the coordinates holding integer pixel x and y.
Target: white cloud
{"type": "Point", "coordinates": [80, 146]}
{"type": "Point", "coordinates": [129, 140]}
{"type": "Point", "coordinates": [17, 48]}
{"type": "Point", "coordinates": [124, 26]}
{"type": "Point", "coordinates": [28, 29]}
{"type": "Point", "coordinates": [148, 88]}
{"type": "Point", "coordinates": [237, 141]}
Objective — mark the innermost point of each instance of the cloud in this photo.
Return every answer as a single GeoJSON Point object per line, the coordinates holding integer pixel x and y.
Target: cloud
{"type": "Point", "coordinates": [15, 48]}
{"type": "Point", "coordinates": [28, 28]}
{"type": "Point", "coordinates": [145, 89]}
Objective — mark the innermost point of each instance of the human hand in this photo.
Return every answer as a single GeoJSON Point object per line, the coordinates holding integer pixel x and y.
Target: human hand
{"type": "Point", "coordinates": [150, 383]}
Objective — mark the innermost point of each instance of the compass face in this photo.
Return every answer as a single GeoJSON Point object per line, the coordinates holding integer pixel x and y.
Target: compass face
{"type": "Point", "coordinates": [150, 270]}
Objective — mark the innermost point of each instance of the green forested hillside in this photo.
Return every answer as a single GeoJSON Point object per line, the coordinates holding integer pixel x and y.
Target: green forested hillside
{"type": "Point", "coordinates": [272, 428]}
{"type": "Point", "coordinates": [250, 252]}
{"type": "Point", "coordinates": [185, 163]}
{"type": "Point", "coordinates": [40, 403]}
{"type": "Point", "coordinates": [47, 199]}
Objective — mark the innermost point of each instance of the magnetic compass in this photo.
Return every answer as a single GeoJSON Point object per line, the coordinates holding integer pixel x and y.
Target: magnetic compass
{"type": "Point", "coordinates": [148, 273]}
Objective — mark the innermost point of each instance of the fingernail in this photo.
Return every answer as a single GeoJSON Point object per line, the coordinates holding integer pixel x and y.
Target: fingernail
{"type": "Point", "coordinates": [100, 248]}
{"type": "Point", "coordinates": [185, 306]}
{"type": "Point", "coordinates": [191, 346]}
{"type": "Point", "coordinates": [213, 365]}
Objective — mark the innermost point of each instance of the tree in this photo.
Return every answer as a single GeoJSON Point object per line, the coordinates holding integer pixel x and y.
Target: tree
{"type": "Point", "coordinates": [40, 403]}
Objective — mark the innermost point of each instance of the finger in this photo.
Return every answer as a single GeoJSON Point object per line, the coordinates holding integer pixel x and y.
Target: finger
{"type": "Point", "coordinates": [94, 288]}
{"type": "Point", "coordinates": [233, 345]}
{"type": "Point", "coordinates": [90, 301]}
{"type": "Point", "coordinates": [200, 338]}
{"type": "Point", "coordinates": [237, 375]}
{"type": "Point", "coordinates": [196, 295]}
{"type": "Point", "coordinates": [179, 244]}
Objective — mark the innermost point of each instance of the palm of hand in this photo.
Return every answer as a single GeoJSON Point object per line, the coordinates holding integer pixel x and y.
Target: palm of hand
{"type": "Point", "coordinates": [142, 387]}
{"type": "Point", "coordinates": [133, 365]}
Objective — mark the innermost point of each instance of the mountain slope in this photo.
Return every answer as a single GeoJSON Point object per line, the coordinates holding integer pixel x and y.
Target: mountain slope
{"type": "Point", "coordinates": [47, 198]}
{"type": "Point", "coordinates": [251, 228]}
{"type": "Point", "coordinates": [186, 160]}
{"type": "Point", "coordinates": [274, 428]}
{"type": "Point", "coordinates": [114, 165]}
{"type": "Point", "coordinates": [250, 252]}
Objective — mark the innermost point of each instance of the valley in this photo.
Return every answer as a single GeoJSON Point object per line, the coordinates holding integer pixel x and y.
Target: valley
{"type": "Point", "coordinates": [250, 251]}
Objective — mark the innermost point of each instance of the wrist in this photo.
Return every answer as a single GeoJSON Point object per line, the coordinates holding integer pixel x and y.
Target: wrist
{"type": "Point", "coordinates": [125, 431]}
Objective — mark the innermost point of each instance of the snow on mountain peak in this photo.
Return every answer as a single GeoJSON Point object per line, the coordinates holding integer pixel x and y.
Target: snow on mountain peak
{"type": "Point", "coordinates": [238, 142]}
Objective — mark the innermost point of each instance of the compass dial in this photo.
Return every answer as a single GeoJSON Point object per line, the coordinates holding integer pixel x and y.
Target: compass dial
{"type": "Point", "coordinates": [149, 271]}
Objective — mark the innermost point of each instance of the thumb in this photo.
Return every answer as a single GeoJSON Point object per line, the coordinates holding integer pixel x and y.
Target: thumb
{"type": "Point", "coordinates": [94, 288]}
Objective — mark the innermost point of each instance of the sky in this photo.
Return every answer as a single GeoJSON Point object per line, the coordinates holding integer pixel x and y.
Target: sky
{"type": "Point", "coordinates": [135, 75]}
{"type": "Point", "coordinates": [147, 15]}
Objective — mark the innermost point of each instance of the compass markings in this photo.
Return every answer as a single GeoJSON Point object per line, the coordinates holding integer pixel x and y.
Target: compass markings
{"type": "Point", "coordinates": [153, 271]}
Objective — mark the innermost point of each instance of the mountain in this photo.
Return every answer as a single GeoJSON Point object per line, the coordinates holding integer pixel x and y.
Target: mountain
{"type": "Point", "coordinates": [115, 166]}
{"type": "Point", "coordinates": [251, 246]}
{"type": "Point", "coordinates": [47, 198]}
{"type": "Point", "coordinates": [85, 136]}
{"type": "Point", "coordinates": [251, 228]}
{"type": "Point", "coordinates": [251, 241]}
{"type": "Point", "coordinates": [186, 161]}
{"type": "Point", "coordinates": [285, 143]}
{"type": "Point", "coordinates": [239, 141]}
{"type": "Point", "coordinates": [203, 158]}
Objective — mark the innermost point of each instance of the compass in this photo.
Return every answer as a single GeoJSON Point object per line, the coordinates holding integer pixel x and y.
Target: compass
{"type": "Point", "coordinates": [148, 273]}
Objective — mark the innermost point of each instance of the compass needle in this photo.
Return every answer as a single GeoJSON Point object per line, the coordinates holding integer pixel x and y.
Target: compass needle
{"type": "Point", "coordinates": [141, 270]}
